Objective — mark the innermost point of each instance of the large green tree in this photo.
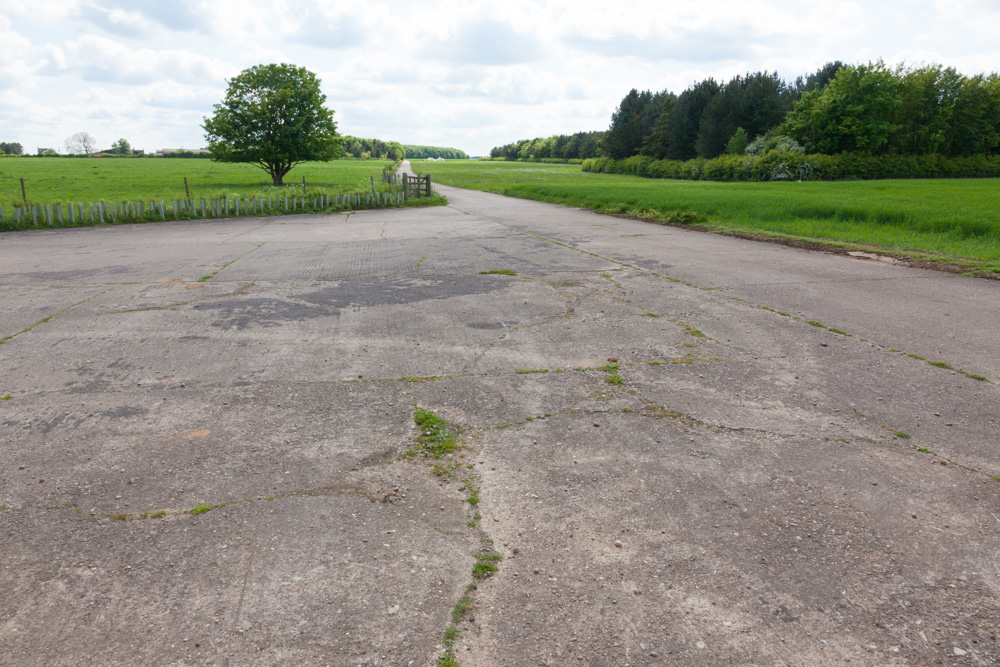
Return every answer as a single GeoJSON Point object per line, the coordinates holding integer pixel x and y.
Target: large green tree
{"type": "Point", "coordinates": [121, 147]}
{"type": "Point", "coordinates": [681, 128]}
{"type": "Point", "coordinates": [273, 116]}
{"type": "Point", "coordinates": [756, 102]}
{"type": "Point", "coordinates": [856, 111]}
{"type": "Point", "coordinates": [631, 123]}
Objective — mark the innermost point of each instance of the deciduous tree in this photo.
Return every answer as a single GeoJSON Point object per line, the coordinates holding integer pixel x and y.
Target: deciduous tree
{"type": "Point", "coordinates": [273, 116]}
{"type": "Point", "coordinates": [81, 142]}
{"type": "Point", "coordinates": [121, 147]}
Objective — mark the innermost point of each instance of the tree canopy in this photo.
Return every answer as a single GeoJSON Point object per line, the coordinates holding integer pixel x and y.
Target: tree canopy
{"type": "Point", "coordinates": [121, 147]}
{"type": "Point", "coordinates": [80, 142]}
{"type": "Point", "coordinates": [273, 116]}
{"type": "Point", "coordinates": [578, 146]}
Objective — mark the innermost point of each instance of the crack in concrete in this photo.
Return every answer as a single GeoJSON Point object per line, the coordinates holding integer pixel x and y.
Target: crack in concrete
{"type": "Point", "coordinates": [177, 304]}
{"type": "Point", "coordinates": [49, 318]}
{"type": "Point", "coordinates": [249, 231]}
{"type": "Point", "coordinates": [974, 376]}
{"type": "Point", "coordinates": [228, 264]}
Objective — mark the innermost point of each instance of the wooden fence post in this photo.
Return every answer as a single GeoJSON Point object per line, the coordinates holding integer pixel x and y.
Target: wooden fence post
{"type": "Point", "coordinates": [24, 196]}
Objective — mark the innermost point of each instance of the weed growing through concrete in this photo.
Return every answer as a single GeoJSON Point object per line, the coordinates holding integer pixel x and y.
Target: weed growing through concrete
{"type": "Point", "coordinates": [201, 509]}
{"type": "Point", "coordinates": [529, 371]}
{"type": "Point", "coordinates": [924, 450]}
{"type": "Point", "coordinates": [436, 440]}
{"type": "Point", "coordinates": [901, 434]}
{"type": "Point", "coordinates": [6, 398]}
{"type": "Point", "coordinates": [500, 272]}
{"type": "Point", "coordinates": [611, 368]}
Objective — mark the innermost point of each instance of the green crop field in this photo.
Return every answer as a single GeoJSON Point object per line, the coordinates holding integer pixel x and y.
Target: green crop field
{"type": "Point", "coordinates": [952, 220]}
{"type": "Point", "coordinates": [80, 180]}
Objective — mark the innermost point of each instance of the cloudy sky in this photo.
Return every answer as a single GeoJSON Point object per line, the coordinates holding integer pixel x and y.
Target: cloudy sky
{"type": "Point", "coordinates": [460, 73]}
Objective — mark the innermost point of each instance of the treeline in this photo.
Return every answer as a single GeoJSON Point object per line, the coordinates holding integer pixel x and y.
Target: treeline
{"type": "Point", "coordinates": [11, 148]}
{"type": "Point", "coordinates": [868, 109]}
{"type": "Point", "coordinates": [424, 152]}
{"type": "Point", "coordinates": [558, 147]}
{"type": "Point", "coordinates": [374, 149]}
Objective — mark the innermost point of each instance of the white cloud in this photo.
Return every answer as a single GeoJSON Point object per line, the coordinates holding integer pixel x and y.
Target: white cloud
{"type": "Point", "coordinates": [102, 59]}
{"type": "Point", "coordinates": [467, 73]}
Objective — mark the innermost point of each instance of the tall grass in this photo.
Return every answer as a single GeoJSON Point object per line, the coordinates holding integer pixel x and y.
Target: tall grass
{"type": "Point", "coordinates": [948, 217]}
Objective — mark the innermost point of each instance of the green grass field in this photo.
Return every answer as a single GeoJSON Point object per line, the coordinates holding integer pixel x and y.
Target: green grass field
{"type": "Point", "coordinates": [82, 180]}
{"type": "Point", "coordinates": [952, 220]}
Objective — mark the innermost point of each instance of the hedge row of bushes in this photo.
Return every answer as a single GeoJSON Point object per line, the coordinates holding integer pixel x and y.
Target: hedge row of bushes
{"type": "Point", "coordinates": [545, 160]}
{"type": "Point", "coordinates": [780, 165]}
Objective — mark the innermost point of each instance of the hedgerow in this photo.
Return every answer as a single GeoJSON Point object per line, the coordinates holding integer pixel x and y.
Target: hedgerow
{"type": "Point", "coordinates": [783, 165]}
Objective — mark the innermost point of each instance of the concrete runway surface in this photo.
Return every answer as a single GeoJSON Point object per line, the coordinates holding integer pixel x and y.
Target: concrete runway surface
{"type": "Point", "coordinates": [757, 490]}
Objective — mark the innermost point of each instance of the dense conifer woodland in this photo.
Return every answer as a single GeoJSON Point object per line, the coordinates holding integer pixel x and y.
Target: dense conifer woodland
{"type": "Point", "coordinates": [842, 121]}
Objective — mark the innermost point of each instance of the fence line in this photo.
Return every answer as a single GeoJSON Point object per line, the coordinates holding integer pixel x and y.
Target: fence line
{"type": "Point", "coordinates": [51, 215]}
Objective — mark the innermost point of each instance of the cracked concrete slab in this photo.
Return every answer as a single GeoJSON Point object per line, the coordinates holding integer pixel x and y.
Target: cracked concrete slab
{"type": "Point", "coordinates": [205, 428]}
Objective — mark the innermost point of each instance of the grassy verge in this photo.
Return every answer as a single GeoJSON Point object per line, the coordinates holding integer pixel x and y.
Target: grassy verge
{"type": "Point", "coordinates": [946, 220]}
{"type": "Point", "coordinates": [62, 181]}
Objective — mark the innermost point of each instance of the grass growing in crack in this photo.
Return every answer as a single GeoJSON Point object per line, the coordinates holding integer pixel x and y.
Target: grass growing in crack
{"type": "Point", "coordinates": [941, 364]}
{"type": "Point", "coordinates": [498, 272]}
{"type": "Point", "coordinates": [6, 398]}
{"type": "Point", "coordinates": [611, 368]}
{"type": "Point", "coordinates": [201, 509]}
{"type": "Point", "coordinates": [486, 564]}
{"type": "Point", "coordinates": [903, 435]}
{"type": "Point", "coordinates": [464, 605]}
{"type": "Point", "coordinates": [529, 371]}
{"type": "Point", "coordinates": [445, 472]}
{"type": "Point", "coordinates": [436, 440]}
{"type": "Point", "coordinates": [419, 378]}
{"type": "Point", "coordinates": [924, 450]}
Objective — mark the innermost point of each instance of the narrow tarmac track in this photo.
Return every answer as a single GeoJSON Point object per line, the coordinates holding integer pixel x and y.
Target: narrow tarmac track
{"type": "Point", "coordinates": [677, 465]}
